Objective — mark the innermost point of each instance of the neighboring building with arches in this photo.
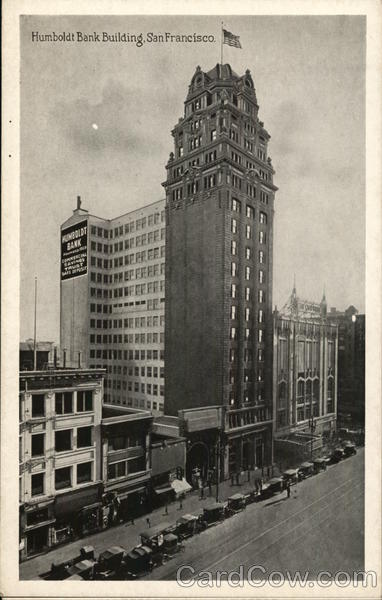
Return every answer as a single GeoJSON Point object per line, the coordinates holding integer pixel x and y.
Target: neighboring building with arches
{"type": "Point", "coordinates": [304, 374]}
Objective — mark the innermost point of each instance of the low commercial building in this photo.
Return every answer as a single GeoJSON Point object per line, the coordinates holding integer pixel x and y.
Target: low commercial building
{"type": "Point", "coordinates": [168, 463]}
{"type": "Point", "coordinates": [304, 377]}
{"type": "Point", "coordinates": [126, 471]}
{"type": "Point", "coordinates": [60, 477]}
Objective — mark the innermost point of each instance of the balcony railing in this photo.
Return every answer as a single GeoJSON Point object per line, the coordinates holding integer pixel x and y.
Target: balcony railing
{"type": "Point", "coordinates": [243, 417]}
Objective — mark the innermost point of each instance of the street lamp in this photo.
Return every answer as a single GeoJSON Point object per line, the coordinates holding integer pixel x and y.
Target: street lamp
{"type": "Point", "coordinates": [312, 427]}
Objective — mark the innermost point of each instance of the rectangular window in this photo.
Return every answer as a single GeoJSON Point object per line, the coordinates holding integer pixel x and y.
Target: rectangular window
{"type": "Point", "coordinates": [84, 472]}
{"type": "Point", "coordinates": [213, 135]}
{"type": "Point", "coordinates": [261, 276]}
{"type": "Point", "coordinates": [261, 296]}
{"type": "Point", "coordinates": [234, 226]}
{"type": "Point", "coordinates": [63, 478]}
{"type": "Point", "coordinates": [233, 333]}
{"type": "Point", "coordinates": [233, 247]}
{"type": "Point", "coordinates": [38, 405]}
{"type": "Point", "coordinates": [261, 256]}
{"type": "Point", "coordinates": [84, 437]}
{"type": "Point", "coordinates": [233, 312]}
{"type": "Point", "coordinates": [248, 253]}
{"type": "Point", "coordinates": [261, 316]}
{"type": "Point", "coordinates": [247, 314]}
{"type": "Point", "coordinates": [247, 333]}
{"type": "Point", "coordinates": [260, 336]}
{"type": "Point", "coordinates": [37, 482]}
{"type": "Point", "coordinates": [63, 440]}
{"type": "Point", "coordinates": [249, 212]}
{"type": "Point", "coordinates": [247, 294]}
{"type": "Point", "coordinates": [233, 269]}
{"type": "Point", "coordinates": [38, 444]}
{"type": "Point", "coordinates": [64, 403]}
{"type": "Point", "coordinates": [247, 273]}
{"type": "Point", "coordinates": [233, 290]}
{"type": "Point", "coordinates": [263, 218]}
{"type": "Point", "coordinates": [235, 205]}
{"type": "Point", "coordinates": [84, 401]}
{"type": "Point", "coordinates": [262, 237]}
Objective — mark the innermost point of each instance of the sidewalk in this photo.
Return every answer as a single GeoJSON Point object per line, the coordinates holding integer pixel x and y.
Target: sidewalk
{"type": "Point", "coordinates": [127, 534]}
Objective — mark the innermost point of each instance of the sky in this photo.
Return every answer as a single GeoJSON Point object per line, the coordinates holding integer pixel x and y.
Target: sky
{"type": "Point", "coordinates": [309, 75]}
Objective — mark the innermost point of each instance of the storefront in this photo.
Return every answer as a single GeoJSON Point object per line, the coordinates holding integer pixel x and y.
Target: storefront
{"type": "Point", "coordinates": [77, 513]}
{"type": "Point", "coordinates": [37, 526]}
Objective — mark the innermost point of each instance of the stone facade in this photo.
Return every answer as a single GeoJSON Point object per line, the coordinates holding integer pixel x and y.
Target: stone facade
{"type": "Point", "coordinates": [219, 240]}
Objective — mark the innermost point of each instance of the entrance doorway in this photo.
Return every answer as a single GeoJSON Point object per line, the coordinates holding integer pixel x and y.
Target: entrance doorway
{"type": "Point", "coordinates": [37, 540]}
{"type": "Point", "coordinates": [198, 457]}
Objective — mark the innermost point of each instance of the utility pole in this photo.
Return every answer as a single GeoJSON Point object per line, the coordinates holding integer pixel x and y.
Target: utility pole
{"type": "Point", "coordinates": [312, 426]}
{"type": "Point", "coordinates": [35, 327]}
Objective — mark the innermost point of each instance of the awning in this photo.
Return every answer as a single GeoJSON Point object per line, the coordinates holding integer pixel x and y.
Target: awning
{"type": "Point", "coordinates": [180, 486]}
{"type": "Point", "coordinates": [163, 490]}
{"type": "Point", "coordinates": [123, 495]}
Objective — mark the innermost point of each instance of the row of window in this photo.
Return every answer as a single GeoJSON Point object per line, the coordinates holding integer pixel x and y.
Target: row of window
{"type": "Point", "coordinates": [248, 252]}
{"type": "Point", "coordinates": [247, 273]}
{"type": "Point", "coordinates": [248, 232]}
{"type": "Point", "coordinates": [153, 219]}
{"type": "Point", "coordinates": [247, 293]}
{"type": "Point", "coordinates": [234, 334]}
{"type": "Point", "coordinates": [128, 323]}
{"type": "Point", "coordinates": [114, 354]}
{"type": "Point", "coordinates": [135, 402]}
{"type": "Point", "coordinates": [143, 388]}
{"type": "Point", "coordinates": [63, 478]}
{"type": "Point", "coordinates": [152, 304]}
{"type": "Point", "coordinates": [249, 211]}
{"type": "Point", "coordinates": [64, 403]}
{"type": "Point", "coordinates": [142, 371]}
{"type": "Point", "coordinates": [247, 314]}
{"type": "Point", "coordinates": [130, 338]}
{"type": "Point", "coordinates": [126, 467]}
{"type": "Point", "coordinates": [140, 240]}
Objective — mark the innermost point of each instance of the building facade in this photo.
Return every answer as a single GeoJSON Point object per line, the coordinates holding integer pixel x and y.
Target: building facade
{"type": "Point", "coordinates": [351, 365]}
{"type": "Point", "coordinates": [305, 375]}
{"type": "Point", "coordinates": [219, 241]}
{"type": "Point", "coordinates": [112, 303]}
{"type": "Point", "coordinates": [59, 454]}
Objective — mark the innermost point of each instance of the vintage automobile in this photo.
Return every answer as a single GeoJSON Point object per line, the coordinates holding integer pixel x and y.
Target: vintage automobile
{"type": "Point", "coordinates": [154, 536]}
{"type": "Point", "coordinates": [235, 504]}
{"type": "Point", "coordinates": [337, 455]}
{"type": "Point", "coordinates": [306, 469]}
{"type": "Point", "coordinates": [110, 563]}
{"type": "Point", "coordinates": [59, 571]}
{"type": "Point", "coordinates": [171, 545]}
{"type": "Point", "coordinates": [187, 526]}
{"type": "Point", "coordinates": [139, 561]}
{"type": "Point", "coordinates": [349, 449]}
{"type": "Point", "coordinates": [291, 476]}
{"type": "Point", "coordinates": [215, 513]}
{"type": "Point", "coordinates": [319, 464]}
{"type": "Point", "coordinates": [273, 486]}
{"type": "Point", "coordinates": [251, 496]}
{"type": "Point", "coordinates": [83, 569]}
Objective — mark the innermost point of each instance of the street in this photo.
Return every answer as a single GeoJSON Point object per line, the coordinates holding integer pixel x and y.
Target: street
{"type": "Point", "coordinates": [319, 528]}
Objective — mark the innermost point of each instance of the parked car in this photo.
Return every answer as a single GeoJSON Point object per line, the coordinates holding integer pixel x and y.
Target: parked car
{"type": "Point", "coordinates": [187, 526]}
{"type": "Point", "coordinates": [349, 449]}
{"type": "Point", "coordinates": [215, 513]}
{"type": "Point", "coordinates": [319, 464]}
{"type": "Point", "coordinates": [291, 476]}
{"type": "Point", "coordinates": [235, 504]}
{"type": "Point", "coordinates": [337, 455]}
{"type": "Point", "coordinates": [60, 571]}
{"type": "Point", "coordinates": [273, 486]}
{"type": "Point", "coordinates": [306, 469]}
{"type": "Point", "coordinates": [110, 563]}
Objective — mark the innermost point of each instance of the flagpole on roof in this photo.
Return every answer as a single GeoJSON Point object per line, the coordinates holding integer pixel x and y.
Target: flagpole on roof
{"type": "Point", "coordinates": [221, 46]}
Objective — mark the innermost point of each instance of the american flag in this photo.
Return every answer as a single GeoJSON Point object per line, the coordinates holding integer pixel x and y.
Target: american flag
{"type": "Point", "coordinates": [231, 39]}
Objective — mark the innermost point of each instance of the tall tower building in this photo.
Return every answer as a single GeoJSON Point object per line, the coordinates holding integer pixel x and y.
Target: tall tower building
{"type": "Point", "coordinates": [219, 240]}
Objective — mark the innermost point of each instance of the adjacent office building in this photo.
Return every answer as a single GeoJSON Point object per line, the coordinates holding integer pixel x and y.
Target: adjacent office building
{"type": "Point", "coordinates": [112, 302]}
{"type": "Point", "coordinates": [219, 241]}
{"type": "Point", "coordinates": [351, 365]}
{"type": "Point", "coordinates": [305, 376]}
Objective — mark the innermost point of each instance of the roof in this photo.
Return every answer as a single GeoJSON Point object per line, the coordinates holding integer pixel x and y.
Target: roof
{"type": "Point", "coordinates": [156, 530]}
{"type": "Point", "coordinates": [236, 497]}
{"type": "Point", "coordinates": [222, 72]}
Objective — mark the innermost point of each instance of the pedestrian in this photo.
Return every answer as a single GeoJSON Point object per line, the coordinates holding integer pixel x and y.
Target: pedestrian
{"type": "Point", "coordinates": [181, 501]}
{"type": "Point", "coordinates": [288, 489]}
{"type": "Point", "coordinates": [166, 509]}
{"type": "Point", "coordinates": [148, 522]}
{"type": "Point", "coordinates": [237, 478]}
